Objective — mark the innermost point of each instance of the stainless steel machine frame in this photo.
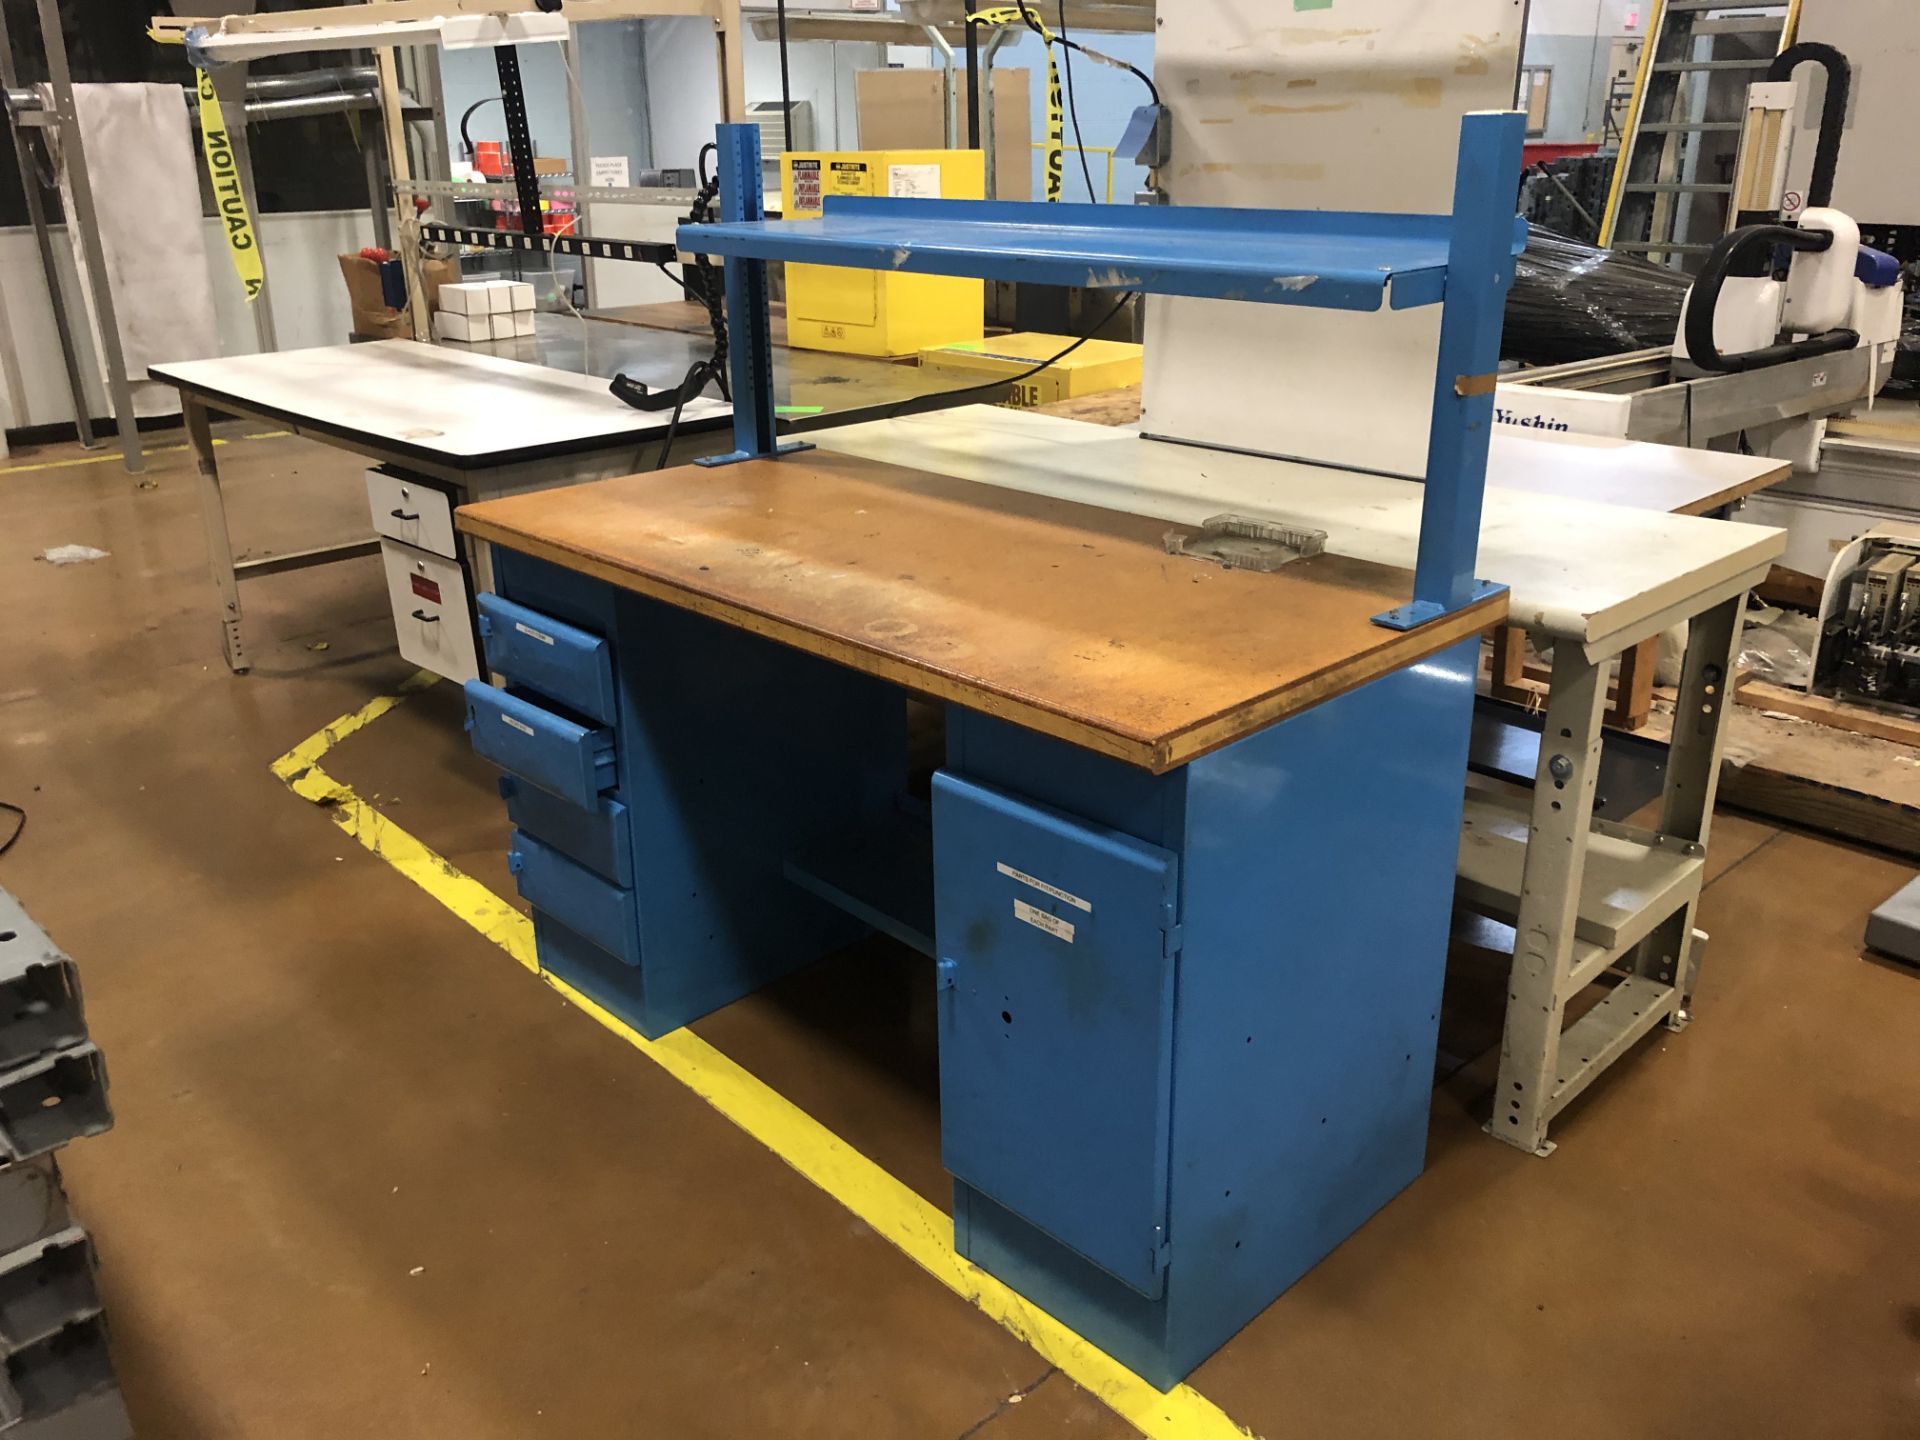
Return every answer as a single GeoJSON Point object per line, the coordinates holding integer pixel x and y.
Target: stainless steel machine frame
{"type": "Point", "coordinates": [1706, 412]}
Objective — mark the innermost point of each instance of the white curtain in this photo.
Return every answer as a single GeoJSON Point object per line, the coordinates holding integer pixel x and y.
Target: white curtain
{"type": "Point", "coordinates": [146, 194]}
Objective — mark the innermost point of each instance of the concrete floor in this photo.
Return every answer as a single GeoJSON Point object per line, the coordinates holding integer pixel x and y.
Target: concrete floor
{"type": "Point", "coordinates": [324, 1081]}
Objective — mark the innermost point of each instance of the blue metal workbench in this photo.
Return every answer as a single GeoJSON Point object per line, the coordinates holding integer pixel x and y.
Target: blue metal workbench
{"type": "Point", "coordinates": [1189, 980]}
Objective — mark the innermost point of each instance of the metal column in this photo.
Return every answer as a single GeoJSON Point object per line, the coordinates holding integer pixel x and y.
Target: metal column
{"type": "Point", "coordinates": [1564, 784]}
{"type": "Point", "coordinates": [43, 236]}
{"type": "Point", "coordinates": [85, 223]}
{"type": "Point", "coordinates": [1670, 955]}
{"type": "Point", "coordinates": [750, 336]}
{"type": "Point", "coordinates": [230, 85]}
{"type": "Point", "coordinates": [1480, 269]}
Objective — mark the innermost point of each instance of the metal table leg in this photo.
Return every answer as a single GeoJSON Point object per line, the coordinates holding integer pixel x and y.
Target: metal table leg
{"type": "Point", "coordinates": [213, 509]}
{"type": "Point", "coordinates": [1543, 950]}
{"type": "Point", "coordinates": [1671, 954]}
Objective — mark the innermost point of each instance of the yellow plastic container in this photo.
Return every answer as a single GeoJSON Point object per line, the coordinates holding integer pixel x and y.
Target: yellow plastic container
{"type": "Point", "coordinates": [1096, 366]}
{"type": "Point", "coordinates": [874, 312]}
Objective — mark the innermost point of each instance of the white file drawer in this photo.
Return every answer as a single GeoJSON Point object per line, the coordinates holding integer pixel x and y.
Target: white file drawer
{"type": "Point", "coordinates": [407, 510]}
{"type": "Point", "coordinates": [430, 611]}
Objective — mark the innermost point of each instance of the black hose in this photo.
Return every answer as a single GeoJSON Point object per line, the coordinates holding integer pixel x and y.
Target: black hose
{"type": "Point", "coordinates": [1705, 300]}
{"type": "Point", "coordinates": [1833, 116]}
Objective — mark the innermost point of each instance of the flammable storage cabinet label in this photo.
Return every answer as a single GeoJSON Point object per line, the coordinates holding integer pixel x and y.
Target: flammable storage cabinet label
{"type": "Point", "coordinates": [805, 199]}
{"type": "Point", "coordinates": [843, 303]}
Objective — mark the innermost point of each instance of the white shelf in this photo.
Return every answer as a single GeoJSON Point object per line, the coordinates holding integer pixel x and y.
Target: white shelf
{"type": "Point", "coordinates": [1631, 882]}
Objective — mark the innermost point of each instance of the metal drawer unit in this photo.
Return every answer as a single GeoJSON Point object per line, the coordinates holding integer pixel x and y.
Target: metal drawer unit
{"type": "Point", "coordinates": [633, 735]}
{"type": "Point", "coordinates": [553, 730]}
{"type": "Point", "coordinates": [428, 583]}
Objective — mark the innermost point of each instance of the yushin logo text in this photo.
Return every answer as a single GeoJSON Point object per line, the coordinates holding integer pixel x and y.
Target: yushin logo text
{"type": "Point", "coordinates": [1529, 422]}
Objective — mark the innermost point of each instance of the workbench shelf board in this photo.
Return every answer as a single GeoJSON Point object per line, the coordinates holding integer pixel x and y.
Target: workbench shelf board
{"type": "Point", "coordinates": [1321, 259]}
{"type": "Point", "coordinates": [1294, 1114]}
{"type": "Point", "coordinates": [1631, 880]}
{"type": "Point", "coordinates": [1070, 619]}
{"type": "Point", "coordinates": [881, 874]}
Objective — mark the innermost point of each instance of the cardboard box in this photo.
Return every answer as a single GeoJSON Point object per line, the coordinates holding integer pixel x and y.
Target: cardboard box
{"type": "Point", "coordinates": [502, 325]}
{"type": "Point", "coordinates": [373, 317]}
{"type": "Point", "coordinates": [907, 110]}
{"type": "Point", "coordinates": [1096, 366]}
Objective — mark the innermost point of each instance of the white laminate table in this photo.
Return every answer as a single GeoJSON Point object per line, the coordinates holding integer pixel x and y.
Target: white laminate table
{"type": "Point", "coordinates": [475, 424]}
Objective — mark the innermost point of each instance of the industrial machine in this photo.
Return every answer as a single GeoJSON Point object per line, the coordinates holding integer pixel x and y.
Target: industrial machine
{"type": "Point", "coordinates": [1794, 320]}
{"type": "Point", "coordinates": [1868, 650]}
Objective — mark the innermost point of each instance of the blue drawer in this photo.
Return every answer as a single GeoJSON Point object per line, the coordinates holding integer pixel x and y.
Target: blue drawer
{"type": "Point", "coordinates": [559, 755]}
{"type": "Point", "coordinates": [559, 660]}
{"type": "Point", "coordinates": [598, 839]}
{"type": "Point", "coordinates": [586, 904]}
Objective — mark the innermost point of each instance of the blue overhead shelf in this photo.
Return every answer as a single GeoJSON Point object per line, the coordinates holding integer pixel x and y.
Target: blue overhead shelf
{"type": "Point", "coordinates": [1326, 260]}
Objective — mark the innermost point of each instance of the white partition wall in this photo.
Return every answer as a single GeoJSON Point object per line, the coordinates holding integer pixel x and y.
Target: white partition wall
{"type": "Point", "coordinates": [1351, 106]}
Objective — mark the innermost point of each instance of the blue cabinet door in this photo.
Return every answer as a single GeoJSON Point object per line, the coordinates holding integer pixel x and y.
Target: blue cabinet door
{"type": "Point", "coordinates": [1057, 944]}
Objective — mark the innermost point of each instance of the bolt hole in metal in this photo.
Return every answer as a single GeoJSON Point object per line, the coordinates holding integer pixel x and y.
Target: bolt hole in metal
{"type": "Point", "coordinates": [1007, 1016]}
{"type": "Point", "coordinates": [9, 935]}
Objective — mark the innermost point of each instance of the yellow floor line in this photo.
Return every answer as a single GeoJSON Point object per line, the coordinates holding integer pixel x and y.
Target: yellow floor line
{"type": "Point", "coordinates": [115, 457]}
{"type": "Point", "coordinates": [899, 1214]}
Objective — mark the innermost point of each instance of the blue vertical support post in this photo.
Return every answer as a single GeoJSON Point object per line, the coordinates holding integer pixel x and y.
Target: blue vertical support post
{"type": "Point", "coordinates": [749, 332]}
{"type": "Point", "coordinates": [1485, 239]}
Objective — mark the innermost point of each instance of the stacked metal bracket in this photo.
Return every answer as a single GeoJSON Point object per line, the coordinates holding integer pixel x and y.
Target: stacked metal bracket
{"type": "Point", "coordinates": [57, 1381]}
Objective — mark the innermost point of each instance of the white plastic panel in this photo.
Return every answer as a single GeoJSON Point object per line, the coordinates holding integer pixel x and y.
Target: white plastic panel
{"type": "Point", "coordinates": [1354, 106]}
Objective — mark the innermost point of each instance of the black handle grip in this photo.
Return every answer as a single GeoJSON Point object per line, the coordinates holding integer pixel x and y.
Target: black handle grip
{"type": "Point", "coordinates": [637, 394]}
{"type": "Point", "coordinates": [426, 619]}
{"type": "Point", "coordinates": [402, 515]}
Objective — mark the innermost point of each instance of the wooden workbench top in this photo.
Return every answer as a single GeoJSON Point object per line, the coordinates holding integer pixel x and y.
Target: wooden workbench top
{"type": "Point", "coordinates": [1060, 617]}
{"type": "Point", "coordinates": [1579, 569]}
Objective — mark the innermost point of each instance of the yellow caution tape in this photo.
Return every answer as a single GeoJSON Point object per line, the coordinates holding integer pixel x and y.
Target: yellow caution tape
{"type": "Point", "coordinates": [1056, 108]}
{"type": "Point", "coordinates": [229, 197]}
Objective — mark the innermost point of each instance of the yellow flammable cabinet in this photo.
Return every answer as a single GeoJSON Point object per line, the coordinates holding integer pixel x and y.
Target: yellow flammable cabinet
{"type": "Point", "coordinates": [1096, 366]}
{"type": "Point", "coordinates": [877, 312]}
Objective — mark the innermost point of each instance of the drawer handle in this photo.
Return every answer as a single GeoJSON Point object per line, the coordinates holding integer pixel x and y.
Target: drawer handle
{"type": "Point", "coordinates": [426, 619]}
{"type": "Point", "coordinates": [402, 515]}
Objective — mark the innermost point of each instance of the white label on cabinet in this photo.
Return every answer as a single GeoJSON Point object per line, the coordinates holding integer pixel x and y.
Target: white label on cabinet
{"type": "Point", "coordinates": [1041, 920]}
{"type": "Point", "coordinates": [533, 634]}
{"type": "Point", "coordinates": [913, 182]}
{"type": "Point", "coordinates": [520, 725]}
{"type": "Point", "coordinates": [1045, 889]}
